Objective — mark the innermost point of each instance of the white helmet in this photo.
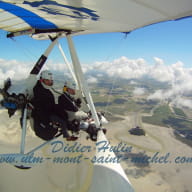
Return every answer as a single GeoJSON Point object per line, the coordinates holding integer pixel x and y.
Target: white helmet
{"type": "Point", "coordinates": [70, 85]}
{"type": "Point", "coordinates": [46, 75]}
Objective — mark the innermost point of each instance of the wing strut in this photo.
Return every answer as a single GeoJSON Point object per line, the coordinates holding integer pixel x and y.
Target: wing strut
{"type": "Point", "coordinates": [67, 63]}
{"type": "Point", "coordinates": [82, 82]}
{"type": "Point", "coordinates": [44, 57]}
{"type": "Point", "coordinates": [24, 129]}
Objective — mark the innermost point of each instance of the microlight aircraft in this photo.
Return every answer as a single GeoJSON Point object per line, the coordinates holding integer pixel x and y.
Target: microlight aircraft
{"type": "Point", "coordinates": [56, 19]}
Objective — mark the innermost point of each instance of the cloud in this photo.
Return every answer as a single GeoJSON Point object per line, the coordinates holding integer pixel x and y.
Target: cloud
{"type": "Point", "coordinates": [92, 80]}
{"type": "Point", "coordinates": [182, 102]}
{"type": "Point", "coordinates": [18, 70]}
{"type": "Point", "coordinates": [176, 75]}
{"type": "Point", "coordinates": [51, 65]}
{"type": "Point", "coordinates": [126, 68]}
{"type": "Point", "coordinates": [123, 67]}
{"type": "Point", "coordinates": [139, 91]}
{"type": "Point", "coordinates": [160, 71]}
{"type": "Point", "coordinates": [13, 69]}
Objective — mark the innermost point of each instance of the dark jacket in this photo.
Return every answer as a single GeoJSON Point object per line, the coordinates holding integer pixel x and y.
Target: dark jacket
{"type": "Point", "coordinates": [45, 111]}
{"type": "Point", "coordinates": [44, 103]}
{"type": "Point", "coordinates": [67, 103]}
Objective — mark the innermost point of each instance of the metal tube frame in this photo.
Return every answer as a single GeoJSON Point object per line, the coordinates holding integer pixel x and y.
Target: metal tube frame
{"type": "Point", "coordinates": [24, 130]}
{"type": "Point", "coordinates": [81, 79]}
{"type": "Point", "coordinates": [82, 83]}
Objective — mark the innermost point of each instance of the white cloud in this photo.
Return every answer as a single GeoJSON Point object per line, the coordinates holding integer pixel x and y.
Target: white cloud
{"type": "Point", "coordinates": [139, 91]}
{"type": "Point", "coordinates": [133, 82]}
{"type": "Point", "coordinates": [158, 95]}
{"type": "Point", "coordinates": [17, 70]}
{"type": "Point", "coordinates": [160, 71]}
{"type": "Point", "coordinates": [92, 80]}
{"type": "Point", "coordinates": [51, 65]}
{"type": "Point", "coordinates": [176, 75]}
{"type": "Point", "coordinates": [123, 67]}
{"type": "Point", "coordinates": [14, 69]}
{"type": "Point", "coordinates": [182, 102]}
{"type": "Point", "coordinates": [135, 68]}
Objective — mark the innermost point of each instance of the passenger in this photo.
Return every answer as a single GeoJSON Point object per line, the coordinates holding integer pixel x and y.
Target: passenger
{"type": "Point", "coordinates": [69, 104]}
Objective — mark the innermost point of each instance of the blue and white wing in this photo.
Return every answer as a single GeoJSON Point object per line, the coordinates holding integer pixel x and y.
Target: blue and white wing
{"type": "Point", "coordinates": [84, 17]}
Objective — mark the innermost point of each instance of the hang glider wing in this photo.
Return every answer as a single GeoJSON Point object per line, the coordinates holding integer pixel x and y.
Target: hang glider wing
{"type": "Point", "coordinates": [84, 17]}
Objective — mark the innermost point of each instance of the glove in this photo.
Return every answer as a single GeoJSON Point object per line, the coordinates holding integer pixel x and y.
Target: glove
{"type": "Point", "coordinates": [78, 102]}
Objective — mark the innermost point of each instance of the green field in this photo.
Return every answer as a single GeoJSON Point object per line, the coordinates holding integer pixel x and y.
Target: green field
{"type": "Point", "coordinates": [164, 117]}
{"type": "Point", "coordinates": [179, 112]}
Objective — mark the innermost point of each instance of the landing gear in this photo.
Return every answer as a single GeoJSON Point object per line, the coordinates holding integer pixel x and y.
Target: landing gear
{"type": "Point", "coordinates": [87, 126]}
{"type": "Point", "coordinates": [93, 131]}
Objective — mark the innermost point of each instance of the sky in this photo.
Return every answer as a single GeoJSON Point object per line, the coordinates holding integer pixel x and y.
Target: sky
{"type": "Point", "coordinates": [170, 41]}
{"type": "Point", "coordinates": [161, 51]}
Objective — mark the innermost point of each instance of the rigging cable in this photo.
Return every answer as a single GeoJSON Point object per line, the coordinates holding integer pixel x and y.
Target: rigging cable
{"type": "Point", "coordinates": [25, 50]}
{"type": "Point", "coordinates": [120, 44]}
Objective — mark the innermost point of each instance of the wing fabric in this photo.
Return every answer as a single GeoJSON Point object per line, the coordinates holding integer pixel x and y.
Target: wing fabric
{"type": "Point", "coordinates": [91, 16]}
{"type": "Point", "coordinates": [15, 18]}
